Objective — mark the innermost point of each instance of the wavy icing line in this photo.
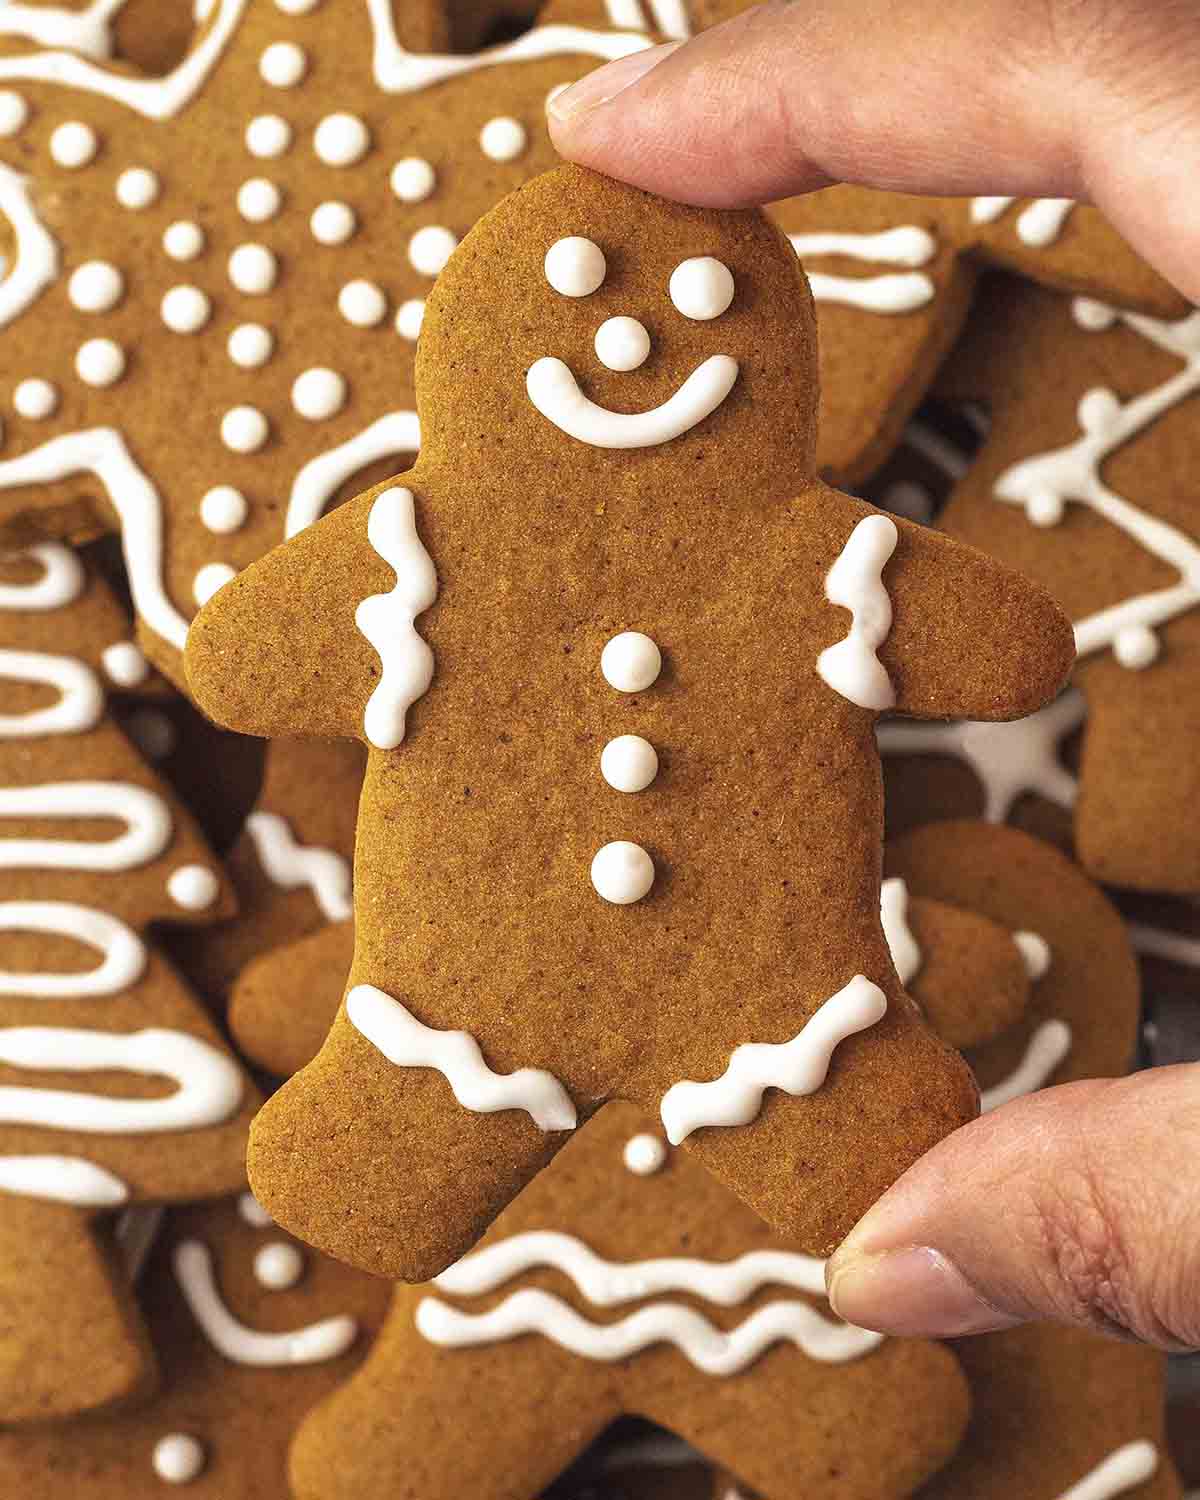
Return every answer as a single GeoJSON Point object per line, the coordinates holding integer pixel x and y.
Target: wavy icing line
{"type": "Point", "coordinates": [701, 1342]}
{"type": "Point", "coordinates": [1128, 1466]}
{"type": "Point", "coordinates": [80, 702]}
{"type": "Point", "coordinates": [394, 433]}
{"type": "Point", "coordinates": [797, 1067]}
{"type": "Point", "coordinates": [145, 815]}
{"type": "Point", "coordinates": [36, 261]}
{"type": "Point", "coordinates": [61, 1179]}
{"type": "Point", "coordinates": [855, 582]}
{"type": "Point", "coordinates": [124, 953]}
{"type": "Point", "coordinates": [1039, 224]}
{"type": "Point", "coordinates": [1045, 483]}
{"type": "Point", "coordinates": [892, 292]}
{"type": "Point", "coordinates": [291, 865]}
{"type": "Point", "coordinates": [893, 912]}
{"type": "Point", "coordinates": [61, 582]}
{"type": "Point", "coordinates": [209, 1083]}
{"type": "Point", "coordinates": [312, 1344]}
{"type": "Point", "coordinates": [1047, 1048]}
{"type": "Point", "coordinates": [408, 1043]}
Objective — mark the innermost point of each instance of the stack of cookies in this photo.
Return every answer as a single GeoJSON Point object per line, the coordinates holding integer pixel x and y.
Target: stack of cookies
{"type": "Point", "coordinates": [534, 787]}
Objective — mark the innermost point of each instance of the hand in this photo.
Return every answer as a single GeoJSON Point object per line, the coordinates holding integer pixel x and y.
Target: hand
{"type": "Point", "coordinates": [1097, 100]}
{"type": "Point", "coordinates": [1078, 1204]}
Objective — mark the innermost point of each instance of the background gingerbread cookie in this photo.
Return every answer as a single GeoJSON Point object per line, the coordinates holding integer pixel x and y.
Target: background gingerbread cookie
{"type": "Point", "coordinates": [94, 1021]}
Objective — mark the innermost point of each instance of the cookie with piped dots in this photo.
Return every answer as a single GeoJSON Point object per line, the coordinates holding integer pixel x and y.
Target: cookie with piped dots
{"type": "Point", "coordinates": [115, 1088]}
{"type": "Point", "coordinates": [618, 655]}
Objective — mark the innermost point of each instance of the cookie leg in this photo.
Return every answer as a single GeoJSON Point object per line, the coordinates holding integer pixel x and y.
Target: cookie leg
{"type": "Point", "coordinates": [72, 1338]}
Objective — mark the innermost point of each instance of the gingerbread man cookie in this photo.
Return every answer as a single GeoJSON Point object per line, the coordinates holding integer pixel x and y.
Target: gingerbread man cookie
{"type": "Point", "coordinates": [153, 35]}
{"type": "Point", "coordinates": [617, 712]}
{"type": "Point", "coordinates": [1087, 486]}
{"type": "Point", "coordinates": [625, 1279]}
{"type": "Point", "coordinates": [94, 1021]}
{"type": "Point", "coordinates": [240, 215]}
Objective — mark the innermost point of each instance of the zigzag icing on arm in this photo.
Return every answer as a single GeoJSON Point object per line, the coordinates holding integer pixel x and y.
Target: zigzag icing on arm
{"type": "Point", "coordinates": [36, 262]}
{"type": "Point", "coordinates": [1047, 1048]}
{"type": "Point", "coordinates": [1039, 224]}
{"type": "Point", "coordinates": [392, 434]}
{"type": "Point", "coordinates": [292, 865]}
{"type": "Point", "coordinates": [408, 1043]}
{"type": "Point", "coordinates": [893, 911]}
{"type": "Point", "coordinates": [797, 1067]}
{"type": "Point", "coordinates": [855, 582]}
{"type": "Point", "coordinates": [312, 1344]}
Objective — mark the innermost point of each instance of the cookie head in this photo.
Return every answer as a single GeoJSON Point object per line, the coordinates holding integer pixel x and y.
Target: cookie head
{"type": "Point", "coordinates": [586, 326]}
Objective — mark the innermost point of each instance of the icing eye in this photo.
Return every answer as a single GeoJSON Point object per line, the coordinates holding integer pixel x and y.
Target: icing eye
{"type": "Point", "coordinates": [702, 287]}
{"type": "Point", "coordinates": [575, 266]}
{"type": "Point", "coordinates": [622, 343]}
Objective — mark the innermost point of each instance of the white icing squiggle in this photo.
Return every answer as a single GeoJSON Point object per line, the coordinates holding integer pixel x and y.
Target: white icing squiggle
{"type": "Point", "coordinates": [86, 31]}
{"type": "Point", "coordinates": [80, 703]}
{"type": "Point", "coordinates": [1047, 1048]}
{"type": "Point", "coordinates": [310, 1345]}
{"type": "Point", "coordinates": [554, 392]}
{"type": "Point", "coordinates": [389, 620]}
{"type": "Point", "coordinates": [395, 433]}
{"type": "Point", "coordinates": [61, 1179]}
{"type": "Point", "coordinates": [1173, 947]}
{"type": "Point", "coordinates": [1128, 1466]}
{"type": "Point", "coordinates": [701, 1342]}
{"type": "Point", "coordinates": [124, 953]}
{"type": "Point", "coordinates": [408, 1043]}
{"type": "Point", "coordinates": [210, 1085]}
{"type": "Point", "coordinates": [291, 865]}
{"type": "Point", "coordinates": [797, 1067]}
{"type": "Point", "coordinates": [61, 582]}
{"type": "Point", "coordinates": [144, 813]}
{"type": "Point", "coordinates": [893, 910]}
{"type": "Point", "coordinates": [36, 261]}
{"type": "Point", "coordinates": [855, 582]}
{"type": "Point", "coordinates": [892, 292]}
{"type": "Point", "coordinates": [1040, 224]}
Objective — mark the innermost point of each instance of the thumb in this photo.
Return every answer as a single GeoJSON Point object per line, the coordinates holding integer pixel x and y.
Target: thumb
{"type": "Point", "coordinates": [1034, 98]}
{"type": "Point", "coordinates": [1079, 1204]}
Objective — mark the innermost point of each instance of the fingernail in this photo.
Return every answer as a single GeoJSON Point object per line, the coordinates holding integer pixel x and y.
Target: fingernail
{"type": "Point", "coordinates": [604, 84]}
{"type": "Point", "coordinates": [910, 1293]}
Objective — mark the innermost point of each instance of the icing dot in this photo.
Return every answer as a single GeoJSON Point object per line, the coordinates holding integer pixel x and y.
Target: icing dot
{"type": "Point", "coordinates": [278, 1266]}
{"type": "Point", "coordinates": [622, 872]}
{"type": "Point", "coordinates": [124, 664]}
{"type": "Point", "coordinates": [1092, 315]}
{"type": "Point", "coordinates": [223, 509]}
{"type": "Point", "coordinates": [575, 266]}
{"type": "Point", "coordinates": [253, 269]}
{"type": "Point", "coordinates": [622, 343]}
{"type": "Point", "coordinates": [340, 140]}
{"type": "Point", "coordinates": [629, 763]}
{"type": "Point", "coordinates": [252, 1212]}
{"type": "Point", "coordinates": [178, 1458]}
{"type": "Point", "coordinates": [95, 286]}
{"type": "Point", "coordinates": [100, 362]}
{"type": "Point", "coordinates": [192, 886]}
{"type": "Point", "coordinates": [1136, 647]}
{"type": "Point", "coordinates": [319, 393]}
{"type": "Point", "coordinates": [258, 200]}
{"type": "Point", "coordinates": [701, 287]}
{"type": "Point", "coordinates": [631, 662]}
{"type": "Point", "coordinates": [1045, 508]}
{"type": "Point", "coordinates": [186, 309]}
{"type": "Point", "coordinates": [250, 345]}
{"type": "Point", "coordinates": [210, 578]}
{"type": "Point", "coordinates": [13, 112]}
{"type": "Point", "coordinates": [183, 240]}
{"type": "Point", "coordinates": [503, 139]}
{"type": "Point", "coordinates": [73, 144]}
{"type": "Point", "coordinates": [1098, 410]}
{"type": "Point", "coordinates": [244, 429]}
{"type": "Point", "coordinates": [645, 1154]}
{"type": "Point", "coordinates": [409, 317]}
{"type": "Point", "coordinates": [430, 248]}
{"type": "Point", "coordinates": [332, 223]}
{"type": "Point", "coordinates": [413, 179]}
{"type": "Point", "coordinates": [268, 136]}
{"type": "Point", "coordinates": [137, 187]}
{"type": "Point", "coordinates": [362, 303]}
{"type": "Point", "coordinates": [283, 65]}
{"type": "Point", "coordinates": [152, 732]}
{"type": "Point", "coordinates": [35, 399]}
{"type": "Point", "coordinates": [1034, 951]}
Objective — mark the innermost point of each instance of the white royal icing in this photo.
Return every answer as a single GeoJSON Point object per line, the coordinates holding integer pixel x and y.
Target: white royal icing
{"type": "Point", "coordinates": [209, 1083]}
{"type": "Point", "coordinates": [575, 266]}
{"type": "Point", "coordinates": [503, 139]}
{"type": "Point", "coordinates": [890, 292]}
{"type": "Point", "coordinates": [35, 260]}
{"type": "Point", "coordinates": [1121, 1471]}
{"type": "Point", "coordinates": [631, 662]}
{"type": "Point", "coordinates": [644, 1155]}
{"type": "Point", "coordinates": [193, 887]}
{"type": "Point", "coordinates": [123, 952]}
{"type": "Point", "coordinates": [389, 620]}
{"type": "Point", "coordinates": [668, 16]}
{"type": "Point", "coordinates": [1039, 224]}
{"type": "Point", "coordinates": [622, 344]}
{"type": "Point", "coordinates": [81, 698]}
{"type": "Point", "coordinates": [1171, 947]}
{"type": "Point", "coordinates": [292, 865]}
{"type": "Point", "coordinates": [1045, 484]}
{"type": "Point", "coordinates": [61, 582]}
{"type": "Point", "coordinates": [629, 763]}
{"type": "Point", "coordinates": [855, 582]}
{"type": "Point", "coordinates": [251, 1211]}
{"type": "Point", "coordinates": [701, 288]}
{"type": "Point", "coordinates": [178, 1458]}
{"type": "Point", "coordinates": [893, 911]}
{"type": "Point", "coordinates": [87, 31]}
{"type": "Point", "coordinates": [408, 1043]}
{"type": "Point", "coordinates": [124, 664]}
{"type": "Point", "coordinates": [553, 390]}
{"type": "Point", "coordinates": [278, 1266]}
{"type": "Point", "coordinates": [798, 1066]}
{"type": "Point", "coordinates": [61, 1179]}
{"type": "Point", "coordinates": [622, 872]}
{"type": "Point", "coordinates": [1047, 1048]}
{"type": "Point", "coordinates": [146, 817]}
{"type": "Point", "coordinates": [312, 1344]}
{"type": "Point", "coordinates": [395, 433]}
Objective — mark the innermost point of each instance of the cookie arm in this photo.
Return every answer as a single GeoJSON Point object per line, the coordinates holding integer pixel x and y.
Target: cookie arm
{"type": "Point", "coordinates": [969, 638]}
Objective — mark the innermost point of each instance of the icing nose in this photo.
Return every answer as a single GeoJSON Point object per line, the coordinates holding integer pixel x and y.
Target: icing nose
{"type": "Point", "coordinates": [622, 343]}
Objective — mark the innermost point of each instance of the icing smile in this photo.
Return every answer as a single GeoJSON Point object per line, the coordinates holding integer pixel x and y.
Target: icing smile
{"type": "Point", "coordinates": [554, 391]}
